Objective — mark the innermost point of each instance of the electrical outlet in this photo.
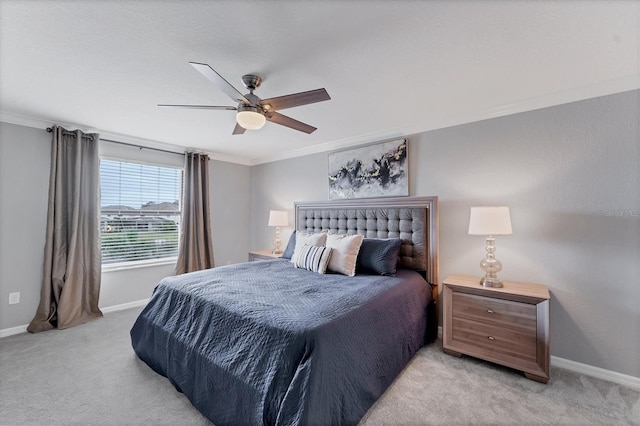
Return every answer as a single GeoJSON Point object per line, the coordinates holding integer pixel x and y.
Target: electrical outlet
{"type": "Point", "coordinates": [14, 298]}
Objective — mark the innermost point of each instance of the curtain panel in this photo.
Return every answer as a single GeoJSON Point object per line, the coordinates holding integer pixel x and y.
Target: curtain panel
{"type": "Point", "coordinates": [195, 250]}
{"type": "Point", "coordinates": [72, 260]}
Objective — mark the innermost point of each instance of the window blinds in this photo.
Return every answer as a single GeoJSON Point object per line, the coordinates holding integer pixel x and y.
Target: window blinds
{"type": "Point", "coordinates": [140, 211]}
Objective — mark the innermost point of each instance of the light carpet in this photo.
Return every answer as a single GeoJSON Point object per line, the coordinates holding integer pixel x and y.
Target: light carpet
{"type": "Point", "coordinates": [89, 375]}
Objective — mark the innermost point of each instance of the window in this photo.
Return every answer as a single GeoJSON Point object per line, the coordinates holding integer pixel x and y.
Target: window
{"type": "Point", "coordinates": [140, 211]}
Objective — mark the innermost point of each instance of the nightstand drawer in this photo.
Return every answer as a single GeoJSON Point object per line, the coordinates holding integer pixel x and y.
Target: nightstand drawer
{"type": "Point", "coordinates": [500, 312]}
{"type": "Point", "coordinates": [495, 338]}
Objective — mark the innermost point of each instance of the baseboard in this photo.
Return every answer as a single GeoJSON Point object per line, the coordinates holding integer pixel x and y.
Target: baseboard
{"type": "Point", "coordinates": [6, 332]}
{"type": "Point", "coordinates": [124, 306]}
{"type": "Point", "coordinates": [597, 372]}
{"type": "Point", "coordinates": [576, 367]}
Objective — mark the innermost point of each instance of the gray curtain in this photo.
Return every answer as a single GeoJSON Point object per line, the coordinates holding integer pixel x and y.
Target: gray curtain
{"type": "Point", "coordinates": [72, 262]}
{"type": "Point", "coordinates": [196, 251]}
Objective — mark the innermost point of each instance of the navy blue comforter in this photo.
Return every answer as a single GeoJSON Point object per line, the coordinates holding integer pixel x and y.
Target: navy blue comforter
{"type": "Point", "coordinates": [265, 343]}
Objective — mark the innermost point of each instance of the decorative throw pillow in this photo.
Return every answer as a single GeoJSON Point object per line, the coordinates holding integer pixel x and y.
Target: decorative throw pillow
{"type": "Point", "coordinates": [379, 256]}
{"type": "Point", "coordinates": [291, 245]}
{"type": "Point", "coordinates": [313, 258]}
{"type": "Point", "coordinates": [310, 239]}
{"type": "Point", "coordinates": [345, 252]}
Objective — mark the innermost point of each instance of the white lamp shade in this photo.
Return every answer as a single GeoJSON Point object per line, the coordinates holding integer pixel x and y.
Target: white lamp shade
{"type": "Point", "coordinates": [278, 218]}
{"type": "Point", "coordinates": [250, 120]}
{"type": "Point", "coordinates": [490, 221]}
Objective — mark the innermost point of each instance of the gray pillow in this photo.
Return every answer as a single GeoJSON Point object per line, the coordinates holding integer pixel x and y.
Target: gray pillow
{"type": "Point", "coordinates": [378, 256]}
{"type": "Point", "coordinates": [291, 245]}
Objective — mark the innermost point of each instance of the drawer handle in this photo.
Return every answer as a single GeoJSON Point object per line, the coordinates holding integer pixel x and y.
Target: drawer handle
{"type": "Point", "coordinates": [491, 338]}
{"type": "Point", "coordinates": [490, 311]}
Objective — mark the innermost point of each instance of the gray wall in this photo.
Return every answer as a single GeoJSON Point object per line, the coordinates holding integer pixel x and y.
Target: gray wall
{"type": "Point", "coordinates": [24, 187]}
{"type": "Point", "coordinates": [24, 180]}
{"type": "Point", "coordinates": [275, 186]}
{"type": "Point", "coordinates": [230, 186]}
{"type": "Point", "coordinates": [571, 176]}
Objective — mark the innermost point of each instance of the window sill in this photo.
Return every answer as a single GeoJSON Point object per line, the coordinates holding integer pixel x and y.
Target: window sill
{"type": "Point", "coordinates": [123, 266]}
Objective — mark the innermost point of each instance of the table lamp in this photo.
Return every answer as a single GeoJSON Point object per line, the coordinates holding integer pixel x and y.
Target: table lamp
{"type": "Point", "coordinates": [490, 221]}
{"type": "Point", "coordinates": [278, 218]}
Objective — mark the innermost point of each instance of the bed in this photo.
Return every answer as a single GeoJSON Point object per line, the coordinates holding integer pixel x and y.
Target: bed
{"type": "Point", "coordinates": [267, 343]}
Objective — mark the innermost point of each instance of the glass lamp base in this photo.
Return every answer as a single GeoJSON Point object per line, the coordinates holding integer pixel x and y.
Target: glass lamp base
{"type": "Point", "coordinates": [491, 266]}
{"type": "Point", "coordinates": [277, 243]}
{"type": "Point", "coordinates": [490, 282]}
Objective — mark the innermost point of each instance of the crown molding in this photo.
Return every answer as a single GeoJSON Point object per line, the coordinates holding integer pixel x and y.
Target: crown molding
{"type": "Point", "coordinates": [39, 123]}
{"type": "Point", "coordinates": [610, 87]}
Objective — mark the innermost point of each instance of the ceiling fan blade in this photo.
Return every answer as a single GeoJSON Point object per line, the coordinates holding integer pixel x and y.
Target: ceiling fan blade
{"type": "Point", "coordinates": [219, 81]}
{"type": "Point", "coordinates": [283, 120]}
{"type": "Point", "coordinates": [228, 108]}
{"type": "Point", "coordinates": [296, 99]}
{"type": "Point", "coordinates": [238, 130]}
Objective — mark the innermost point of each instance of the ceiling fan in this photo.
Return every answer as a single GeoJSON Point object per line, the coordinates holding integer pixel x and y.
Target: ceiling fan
{"type": "Point", "coordinates": [253, 112]}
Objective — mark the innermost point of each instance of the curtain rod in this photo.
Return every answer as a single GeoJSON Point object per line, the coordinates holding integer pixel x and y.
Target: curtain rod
{"type": "Point", "coordinates": [69, 133]}
{"type": "Point", "coordinates": [66, 132]}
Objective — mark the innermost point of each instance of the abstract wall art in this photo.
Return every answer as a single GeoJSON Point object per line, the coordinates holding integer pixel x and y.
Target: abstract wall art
{"type": "Point", "coordinates": [377, 170]}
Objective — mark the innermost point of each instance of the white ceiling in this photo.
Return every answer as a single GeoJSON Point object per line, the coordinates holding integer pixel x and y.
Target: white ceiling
{"type": "Point", "coordinates": [392, 68]}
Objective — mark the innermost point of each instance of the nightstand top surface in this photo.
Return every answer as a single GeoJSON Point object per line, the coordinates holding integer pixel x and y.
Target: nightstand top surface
{"type": "Point", "coordinates": [509, 287]}
{"type": "Point", "coordinates": [265, 252]}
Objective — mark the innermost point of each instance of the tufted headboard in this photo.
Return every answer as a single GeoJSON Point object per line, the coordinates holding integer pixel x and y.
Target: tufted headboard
{"type": "Point", "coordinates": [413, 219]}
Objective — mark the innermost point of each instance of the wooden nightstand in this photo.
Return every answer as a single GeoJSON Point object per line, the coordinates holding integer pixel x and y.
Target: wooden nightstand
{"type": "Point", "coordinates": [508, 325]}
{"type": "Point", "coordinates": [263, 255]}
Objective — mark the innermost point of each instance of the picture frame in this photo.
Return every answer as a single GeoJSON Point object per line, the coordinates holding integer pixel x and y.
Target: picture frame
{"type": "Point", "coordinates": [375, 170]}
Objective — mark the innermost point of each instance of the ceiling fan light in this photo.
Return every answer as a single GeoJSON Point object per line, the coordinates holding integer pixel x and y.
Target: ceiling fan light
{"type": "Point", "coordinates": [250, 120]}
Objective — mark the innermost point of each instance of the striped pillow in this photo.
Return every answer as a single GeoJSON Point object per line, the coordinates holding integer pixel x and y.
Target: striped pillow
{"type": "Point", "coordinates": [311, 239]}
{"type": "Point", "coordinates": [313, 258]}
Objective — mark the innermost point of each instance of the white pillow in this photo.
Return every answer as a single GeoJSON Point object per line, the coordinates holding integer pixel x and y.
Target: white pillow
{"type": "Point", "coordinates": [313, 258]}
{"type": "Point", "coordinates": [309, 239]}
{"type": "Point", "coordinates": [345, 252]}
